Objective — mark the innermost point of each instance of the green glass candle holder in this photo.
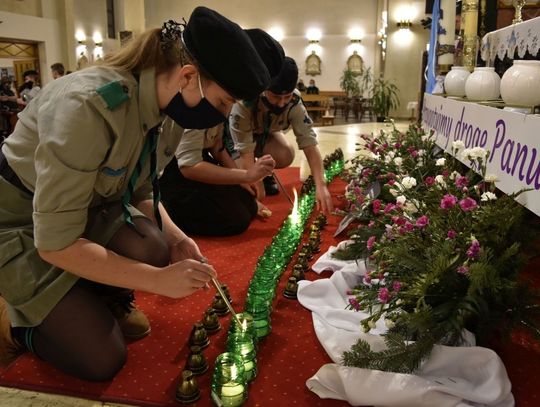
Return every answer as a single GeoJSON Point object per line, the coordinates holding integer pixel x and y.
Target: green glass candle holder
{"type": "Point", "coordinates": [246, 326]}
{"type": "Point", "coordinates": [242, 344]}
{"type": "Point", "coordinates": [229, 386]}
{"type": "Point", "coordinates": [261, 319]}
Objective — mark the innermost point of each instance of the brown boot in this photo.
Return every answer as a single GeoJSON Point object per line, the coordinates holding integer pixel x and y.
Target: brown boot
{"type": "Point", "coordinates": [133, 323]}
{"type": "Point", "coordinates": [9, 347]}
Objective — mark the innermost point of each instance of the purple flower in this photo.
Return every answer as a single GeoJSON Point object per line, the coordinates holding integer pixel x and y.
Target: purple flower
{"type": "Point", "coordinates": [384, 295]}
{"type": "Point", "coordinates": [353, 302]}
{"type": "Point", "coordinates": [448, 201]}
{"type": "Point", "coordinates": [468, 204]}
{"type": "Point", "coordinates": [463, 270]}
{"type": "Point", "coordinates": [397, 145]}
{"type": "Point", "coordinates": [451, 234]}
{"type": "Point", "coordinates": [367, 279]}
{"type": "Point", "coordinates": [371, 242]}
{"type": "Point", "coordinates": [461, 181]}
{"type": "Point", "coordinates": [474, 249]}
{"type": "Point", "coordinates": [396, 286]}
{"type": "Point", "coordinates": [422, 222]}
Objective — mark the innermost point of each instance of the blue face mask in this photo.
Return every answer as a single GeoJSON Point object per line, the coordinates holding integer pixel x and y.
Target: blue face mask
{"type": "Point", "coordinates": [202, 116]}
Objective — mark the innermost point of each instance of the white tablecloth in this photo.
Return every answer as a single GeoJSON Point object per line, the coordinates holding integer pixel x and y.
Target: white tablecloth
{"type": "Point", "coordinates": [452, 377]}
{"type": "Point", "coordinates": [522, 37]}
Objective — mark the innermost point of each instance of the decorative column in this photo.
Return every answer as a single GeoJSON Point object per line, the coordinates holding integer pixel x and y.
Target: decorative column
{"type": "Point", "coordinates": [447, 35]}
{"type": "Point", "coordinates": [469, 20]}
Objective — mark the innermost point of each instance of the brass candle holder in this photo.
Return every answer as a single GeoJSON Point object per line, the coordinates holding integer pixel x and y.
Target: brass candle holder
{"type": "Point", "coordinates": [227, 293]}
{"type": "Point", "coordinates": [220, 306]}
{"type": "Point", "coordinates": [210, 321]}
{"type": "Point", "coordinates": [196, 361]}
{"type": "Point", "coordinates": [306, 249]}
{"type": "Point", "coordinates": [302, 260]}
{"type": "Point", "coordinates": [199, 337]}
{"type": "Point", "coordinates": [290, 289]}
{"type": "Point", "coordinates": [298, 272]}
{"type": "Point", "coordinates": [187, 391]}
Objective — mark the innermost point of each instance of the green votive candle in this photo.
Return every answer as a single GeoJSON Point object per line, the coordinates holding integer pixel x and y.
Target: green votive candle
{"type": "Point", "coordinates": [243, 344]}
{"type": "Point", "coordinates": [229, 382]}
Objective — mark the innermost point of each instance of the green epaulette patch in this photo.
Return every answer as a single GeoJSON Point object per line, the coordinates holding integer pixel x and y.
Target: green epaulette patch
{"type": "Point", "coordinates": [114, 94]}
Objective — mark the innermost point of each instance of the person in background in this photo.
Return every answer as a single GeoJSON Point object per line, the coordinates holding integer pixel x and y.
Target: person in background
{"type": "Point", "coordinates": [57, 70]}
{"type": "Point", "coordinates": [312, 89]}
{"type": "Point", "coordinates": [301, 86]}
{"type": "Point", "coordinates": [203, 190]}
{"type": "Point", "coordinates": [81, 222]}
{"type": "Point", "coordinates": [30, 88]}
{"type": "Point", "coordinates": [257, 128]}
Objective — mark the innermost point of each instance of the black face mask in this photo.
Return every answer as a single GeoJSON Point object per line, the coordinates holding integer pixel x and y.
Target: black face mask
{"type": "Point", "coordinates": [273, 108]}
{"type": "Point", "coordinates": [202, 116]}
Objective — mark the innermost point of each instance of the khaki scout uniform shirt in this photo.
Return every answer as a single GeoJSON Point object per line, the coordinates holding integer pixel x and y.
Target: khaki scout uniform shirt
{"type": "Point", "coordinates": [74, 151]}
{"type": "Point", "coordinates": [193, 142]}
{"type": "Point", "coordinates": [247, 120]}
{"type": "Point", "coordinates": [75, 146]}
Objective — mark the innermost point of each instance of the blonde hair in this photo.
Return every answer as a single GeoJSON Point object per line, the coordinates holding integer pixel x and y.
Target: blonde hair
{"type": "Point", "coordinates": [148, 50]}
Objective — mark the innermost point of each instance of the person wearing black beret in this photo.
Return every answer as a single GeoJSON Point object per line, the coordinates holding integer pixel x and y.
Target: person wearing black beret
{"type": "Point", "coordinates": [204, 180]}
{"type": "Point", "coordinates": [80, 210]}
{"type": "Point", "coordinates": [257, 127]}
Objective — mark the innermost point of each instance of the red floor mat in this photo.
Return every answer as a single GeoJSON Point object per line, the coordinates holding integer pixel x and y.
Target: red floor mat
{"type": "Point", "coordinates": [286, 358]}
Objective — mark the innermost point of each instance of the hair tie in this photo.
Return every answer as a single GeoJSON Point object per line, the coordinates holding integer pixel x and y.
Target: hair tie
{"type": "Point", "coordinates": [171, 31]}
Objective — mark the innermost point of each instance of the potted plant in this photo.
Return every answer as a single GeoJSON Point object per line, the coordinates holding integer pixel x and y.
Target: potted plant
{"type": "Point", "coordinates": [349, 83]}
{"type": "Point", "coordinates": [384, 97]}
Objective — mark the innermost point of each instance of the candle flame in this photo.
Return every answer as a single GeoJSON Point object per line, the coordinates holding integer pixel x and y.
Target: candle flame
{"type": "Point", "coordinates": [295, 216]}
{"type": "Point", "coordinates": [244, 325]}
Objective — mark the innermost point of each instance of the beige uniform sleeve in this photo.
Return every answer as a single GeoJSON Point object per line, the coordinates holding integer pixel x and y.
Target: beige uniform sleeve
{"type": "Point", "coordinates": [241, 128]}
{"type": "Point", "coordinates": [189, 151]}
{"type": "Point", "coordinates": [73, 141]}
{"type": "Point", "coordinates": [302, 126]}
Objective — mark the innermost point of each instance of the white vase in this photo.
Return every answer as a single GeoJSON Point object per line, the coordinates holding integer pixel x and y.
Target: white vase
{"type": "Point", "coordinates": [520, 84]}
{"type": "Point", "coordinates": [483, 84]}
{"type": "Point", "coordinates": [454, 81]}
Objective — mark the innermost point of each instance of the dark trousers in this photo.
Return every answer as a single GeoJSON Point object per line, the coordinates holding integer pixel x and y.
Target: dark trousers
{"type": "Point", "coordinates": [206, 209]}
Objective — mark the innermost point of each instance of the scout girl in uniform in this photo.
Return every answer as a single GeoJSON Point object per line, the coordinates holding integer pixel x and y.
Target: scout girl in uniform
{"type": "Point", "coordinates": [79, 198]}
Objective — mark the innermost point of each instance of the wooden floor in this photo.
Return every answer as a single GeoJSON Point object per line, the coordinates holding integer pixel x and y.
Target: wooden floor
{"type": "Point", "coordinates": [331, 137]}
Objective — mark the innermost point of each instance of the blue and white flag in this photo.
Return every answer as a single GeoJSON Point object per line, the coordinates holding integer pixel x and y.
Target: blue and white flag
{"type": "Point", "coordinates": [432, 55]}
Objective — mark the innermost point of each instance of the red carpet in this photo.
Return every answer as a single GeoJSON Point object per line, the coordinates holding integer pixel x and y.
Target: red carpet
{"type": "Point", "coordinates": [286, 358]}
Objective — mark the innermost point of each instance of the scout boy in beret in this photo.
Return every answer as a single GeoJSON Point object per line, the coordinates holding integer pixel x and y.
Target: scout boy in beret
{"type": "Point", "coordinates": [257, 127]}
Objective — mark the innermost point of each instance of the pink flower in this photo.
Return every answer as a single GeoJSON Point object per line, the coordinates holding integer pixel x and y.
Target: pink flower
{"type": "Point", "coordinates": [445, 173]}
{"type": "Point", "coordinates": [468, 204]}
{"type": "Point", "coordinates": [398, 221]}
{"type": "Point", "coordinates": [353, 302]}
{"type": "Point", "coordinates": [389, 207]}
{"type": "Point", "coordinates": [408, 226]}
{"type": "Point", "coordinates": [391, 182]}
{"type": "Point", "coordinates": [422, 222]}
{"type": "Point", "coordinates": [461, 181]}
{"type": "Point", "coordinates": [391, 175]}
{"type": "Point", "coordinates": [448, 201]}
{"type": "Point", "coordinates": [371, 242]}
{"type": "Point", "coordinates": [397, 145]}
{"type": "Point", "coordinates": [384, 295]}
{"type": "Point", "coordinates": [367, 279]}
{"type": "Point", "coordinates": [463, 270]}
{"type": "Point", "coordinates": [429, 181]}
{"type": "Point", "coordinates": [414, 153]}
{"type": "Point", "coordinates": [396, 286]}
{"type": "Point", "coordinates": [371, 224]}
{"type": "Point", "coordinates": [451, 234]}
{"type": "Point", "coordinates": [474, 249]}
{"type": "Point", "coordinates": [357, 190]}
{"type": "Point", "coordinates": [376, 206]}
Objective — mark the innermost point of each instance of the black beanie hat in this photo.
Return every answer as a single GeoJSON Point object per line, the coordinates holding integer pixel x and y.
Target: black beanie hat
{"type": "Point", "coordinates": [226, 53]}
{"type": "Point", "coordinates": [286, 81]}
{"type": "Point", "coordinates": [270, 51]}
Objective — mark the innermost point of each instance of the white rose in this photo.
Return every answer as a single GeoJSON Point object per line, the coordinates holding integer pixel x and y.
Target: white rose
{"type": "Point", "coordinates": [421, 153]}
{"type": "Point", "coordinates": [466, 154]}
{"type": "Point", "coordinates": [389, 323]}
{"type": "Point", "coordinates": [375, 157]}
{"type": "Point", "coordinates": [454, 175]}
{"type": "Point", "coordinates": [408, 182]}
{"type": "Point", "coordinates": [391, 154]}
{"type": "Point", "coordinates": [401, 199]}
{"type": "Point", "coordinates": [491, 178]}
{"type": "Point", "coordinates": [393, 191]}
{"type": "Point", "coordinates": [440, 162]}
{"type": "Point", "coordinates": [458, 145]}
{"type": "Point", "coordinates": [479, 153]}
{"type": "Point", "coordinates": [410, 208]}
{"type": "Point", "coordinates": [387, 159]}
{"type": "Point", "coordinates": [439, 179]}
{"type": "Point", "coordinates": [372, 324]}
{"type": "Point", "coordinates": [398, 161]}
{"type": "Point", "coordinates": [488, 196]}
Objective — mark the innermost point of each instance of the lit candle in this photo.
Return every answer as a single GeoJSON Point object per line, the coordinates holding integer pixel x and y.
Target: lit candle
{"type": "Point", "coordinates": [232, 394]}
